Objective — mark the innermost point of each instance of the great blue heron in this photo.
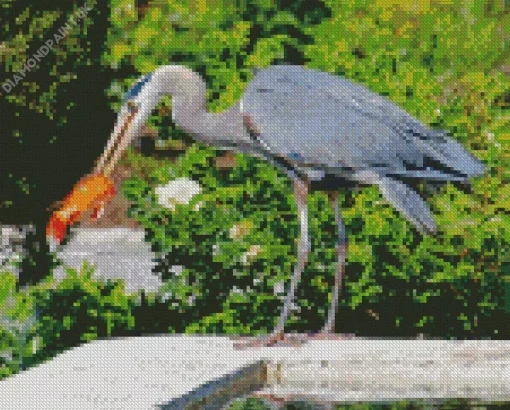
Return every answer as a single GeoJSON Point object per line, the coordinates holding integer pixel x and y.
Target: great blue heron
{"type": "Point", "coordinates": [320, 129]}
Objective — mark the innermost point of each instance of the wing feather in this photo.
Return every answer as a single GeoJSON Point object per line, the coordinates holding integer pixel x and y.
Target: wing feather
{"type": "Point", "coordinates": [318, 119]}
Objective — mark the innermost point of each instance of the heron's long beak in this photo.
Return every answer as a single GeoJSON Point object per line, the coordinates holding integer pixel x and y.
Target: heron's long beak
{"type": "Point", "coordinates": [117, 144]}
{"type": "Point", "coordinates": [93, 191]}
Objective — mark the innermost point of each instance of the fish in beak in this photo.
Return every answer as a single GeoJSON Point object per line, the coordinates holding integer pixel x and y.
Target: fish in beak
{"type": "Point", "coordinates": [93, 191]}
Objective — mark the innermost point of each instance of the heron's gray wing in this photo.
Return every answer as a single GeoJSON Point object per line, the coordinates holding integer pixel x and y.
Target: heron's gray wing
{"type": "Point", "coordinates": [318, 119]}
{"type": "Point", "coordinates": [409, 203]}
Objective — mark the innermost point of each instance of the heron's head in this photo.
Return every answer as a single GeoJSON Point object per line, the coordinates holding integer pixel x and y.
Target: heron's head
{"type": "Point", "coordinates": [183, 84]}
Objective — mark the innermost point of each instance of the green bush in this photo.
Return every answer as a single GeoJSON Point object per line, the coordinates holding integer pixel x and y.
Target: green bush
{"type": "Point", "coordinates": [80, 309]}
{"type": "Point", "coordinates": [38, 322]}
{"type": "Point", "coordinates": [17, 326]}
{"type": "Point", "coordinates": [231, 250]}
{"type": "Point", "coordinates": [423, 404]}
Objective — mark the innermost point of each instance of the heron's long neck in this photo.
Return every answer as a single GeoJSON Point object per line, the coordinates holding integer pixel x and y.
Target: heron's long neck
{"type": "Point", "coordinates": [188, 100]}
{"type": "Point", "coordinates": [190, 113]}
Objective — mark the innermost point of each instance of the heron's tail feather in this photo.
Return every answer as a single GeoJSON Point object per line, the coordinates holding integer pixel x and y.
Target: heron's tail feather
{"type": "Point", "coordinates": [452, 154]}
{"type": "Point", "coordinates": [409, 203]}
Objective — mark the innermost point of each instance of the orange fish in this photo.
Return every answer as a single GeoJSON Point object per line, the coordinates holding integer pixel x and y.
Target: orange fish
{"type": "Point", "coordinates": [92, 192]}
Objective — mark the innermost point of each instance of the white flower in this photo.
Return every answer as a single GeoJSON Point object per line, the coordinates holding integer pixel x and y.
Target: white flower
{"type": "Point", "coordinates": [178, 191]}
{"type": "Point", "coordinates": [490, 137]}
{"type": "Point", "coordinates": [251, 254]}
{"type": "Point", "coordinates": [177, 269]}
{"type": "Point", "coordinates": [279, 288]}
{"type": "Point", "coordinates": [236, 291]}
{"type": "Point", "coordinates": [241, 229]}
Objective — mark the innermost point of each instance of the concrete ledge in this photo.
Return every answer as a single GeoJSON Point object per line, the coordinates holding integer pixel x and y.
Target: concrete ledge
{"type": "Point", "coordinates": [389, 370]}
{"type": "Point", "coordinates": [178, 372]}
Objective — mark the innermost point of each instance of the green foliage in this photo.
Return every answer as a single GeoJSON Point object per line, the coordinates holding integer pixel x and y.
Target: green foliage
{"type": "Point", "coordinates": [49, 317]}
{"type": "Point", "coordinates": [222, 40]}
{"type": "Point", "coordinates": [38, 322]}
{"type": "Point", "coordinates": [249, 404]}
{"type": "Point", "coordinates": [79, 309]}
{"type": "Point", "coordinates": [17, 326]}
{"type": "Point", "coordinates": [423, 404]}
{"type": "Point", "coordinates": [232, 242]}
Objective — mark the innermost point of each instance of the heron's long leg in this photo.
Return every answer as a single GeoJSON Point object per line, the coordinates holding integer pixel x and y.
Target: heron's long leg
{"type": "Point", "coordinates": [341, 254]}
{"type": "Point", "coordinates": [301, 197]}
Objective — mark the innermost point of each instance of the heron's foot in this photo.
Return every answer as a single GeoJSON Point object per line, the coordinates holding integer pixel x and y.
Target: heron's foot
{"type": "Point", "coordinates": [279, 339]}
